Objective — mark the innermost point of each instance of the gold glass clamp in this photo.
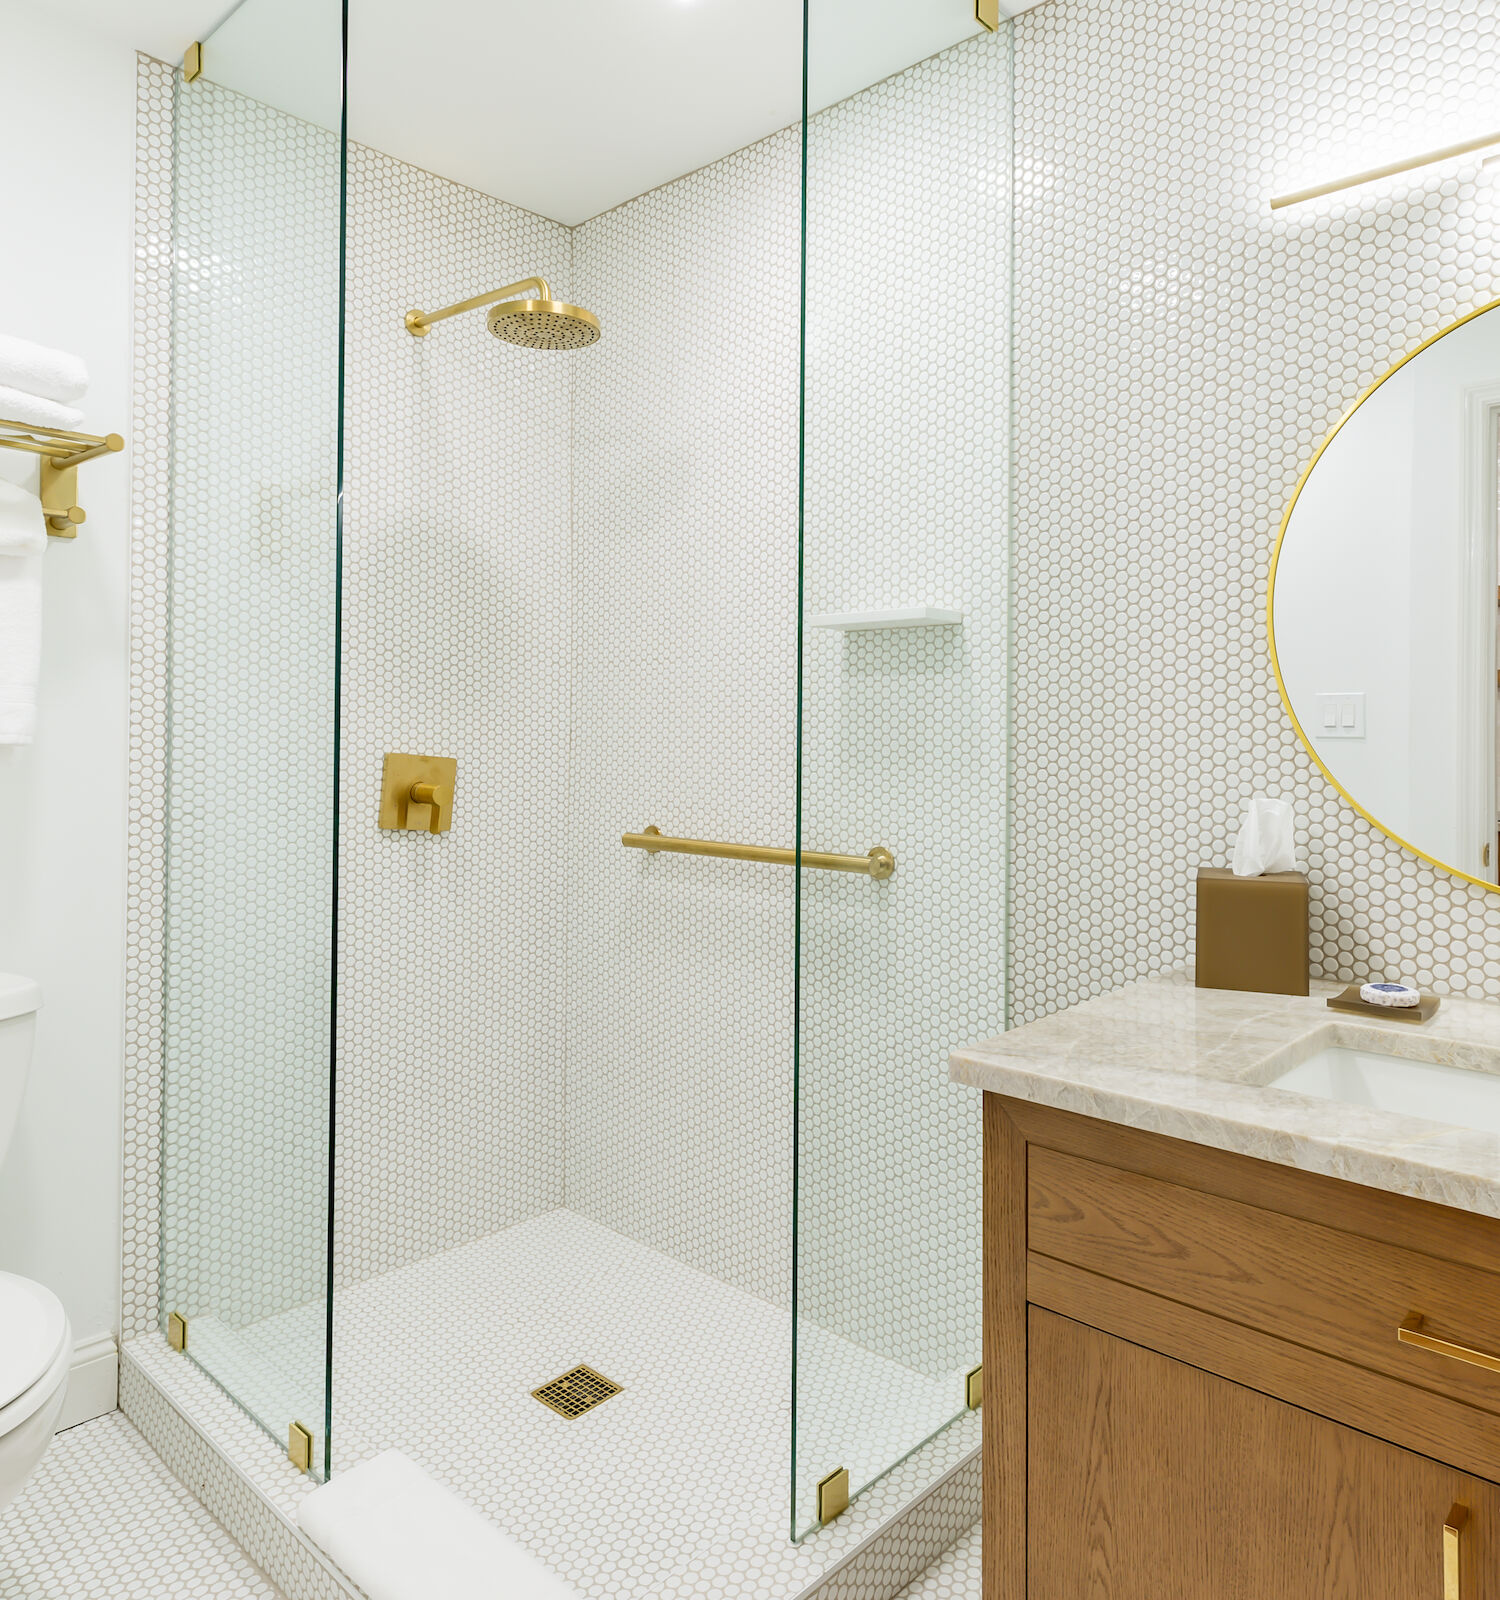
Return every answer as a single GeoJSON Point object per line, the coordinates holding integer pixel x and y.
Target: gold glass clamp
{"type": "Point", "coordinates": [833, 1494]}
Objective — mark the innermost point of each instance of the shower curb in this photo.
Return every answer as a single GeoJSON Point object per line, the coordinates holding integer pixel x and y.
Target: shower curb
{"type": "Point", "coordinates": [240, 1505]}
{"type": "Point", "coordinates": [901, 1550]}
{"type": "Point", "coordinates": [257, 1508]}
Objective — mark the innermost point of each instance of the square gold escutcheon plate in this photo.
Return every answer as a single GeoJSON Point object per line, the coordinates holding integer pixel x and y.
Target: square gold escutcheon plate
{"type": "Point", "coordinates": [397, 809]}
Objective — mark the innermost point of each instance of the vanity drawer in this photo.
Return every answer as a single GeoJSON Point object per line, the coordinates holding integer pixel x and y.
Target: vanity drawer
{"type": "Point", "coordinates": [1339, 1293]}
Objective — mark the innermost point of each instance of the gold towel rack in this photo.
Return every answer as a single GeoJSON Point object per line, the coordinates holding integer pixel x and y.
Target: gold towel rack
{"type": "Point", "coordinates": [879, 864]}
{"type": "Point", "coordinates": [62, 454]}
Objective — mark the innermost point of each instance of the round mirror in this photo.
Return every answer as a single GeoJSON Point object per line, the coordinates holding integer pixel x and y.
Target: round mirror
{"type": "Point", "coordinates": [1384, 622]}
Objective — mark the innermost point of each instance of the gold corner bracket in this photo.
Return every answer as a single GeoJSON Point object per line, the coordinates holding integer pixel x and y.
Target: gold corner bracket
{"type": "Point", "coordinates": [192, 62]}
{"type": "Point", "coordinates": [974, 1387]}
{"type": "Point", "coordinates": [299, 1447]}
{"type": "Point", "coordinates": [177, 1330]}
{"type": "Point", "coordinates": [987, 14]}
{"type": "Point", "coordinates": [833, 1494]}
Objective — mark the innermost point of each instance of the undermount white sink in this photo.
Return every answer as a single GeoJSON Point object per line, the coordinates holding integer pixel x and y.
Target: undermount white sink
{"type": "Point", "coordinates": [1460, 1096]}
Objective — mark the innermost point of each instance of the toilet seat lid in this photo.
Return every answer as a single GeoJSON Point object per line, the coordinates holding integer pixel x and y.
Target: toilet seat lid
{"type": "Point", "coordinates": [32, 1330]}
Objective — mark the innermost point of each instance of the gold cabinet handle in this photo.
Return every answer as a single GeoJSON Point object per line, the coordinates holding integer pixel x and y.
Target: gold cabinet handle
{"type": "Point", "coordinates": [1453, 1550]}
{"type": "Point", "coordinates": [1410, 1332]}
{"type": "Point", "coordinates": [439, 798]}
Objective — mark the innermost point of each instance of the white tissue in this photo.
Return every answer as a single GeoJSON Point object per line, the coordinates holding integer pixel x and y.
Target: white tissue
{"type": "Point", "coordinates": [1265, 841]}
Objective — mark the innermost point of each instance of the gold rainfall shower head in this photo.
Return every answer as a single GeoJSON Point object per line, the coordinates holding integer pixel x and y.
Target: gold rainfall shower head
{"type": "Point", "coordinates": [540, 324]}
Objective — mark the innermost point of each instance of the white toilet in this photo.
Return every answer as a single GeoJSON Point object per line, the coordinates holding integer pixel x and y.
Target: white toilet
{"type": "Point", "coordinates": [36, 1344]}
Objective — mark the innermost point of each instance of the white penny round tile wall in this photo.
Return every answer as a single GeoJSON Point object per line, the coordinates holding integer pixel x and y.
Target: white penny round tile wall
{"type": "Point", "coordinates": [1180, 353]}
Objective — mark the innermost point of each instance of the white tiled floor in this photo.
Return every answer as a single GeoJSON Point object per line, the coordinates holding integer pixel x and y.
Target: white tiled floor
{"type": "Point", "coordinates": [955, 1577]}
{"type": "Point", "coordinates": [439, 1358]}
{"type": "Point", "coordinates": [103, 1519]}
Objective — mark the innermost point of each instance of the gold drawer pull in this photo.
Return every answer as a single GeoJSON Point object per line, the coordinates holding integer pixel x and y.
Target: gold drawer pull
{"type": "Point", "coordinates": [1410, 1332]}
{"type": "Point", "coordinates": [1453, 1549]}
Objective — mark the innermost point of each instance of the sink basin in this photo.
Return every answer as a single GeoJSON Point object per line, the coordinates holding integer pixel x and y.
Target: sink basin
{"type": "Point", "coordinates": [1460, 1096]}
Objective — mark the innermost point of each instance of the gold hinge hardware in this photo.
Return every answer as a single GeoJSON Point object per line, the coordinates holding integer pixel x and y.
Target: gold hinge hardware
{"type": "Point", "coordinates": [833, 1494]}
{"type": "Point", "coordinates": [987, 14]}
{"type": "Point", "coordinates": [177, 1330]}
{"type": "Point", "coordinates": [192, 62]}
{"type": "Point", "coordinates": [299, 1446]}
{"type": "Point", "coordinates": [974, 1387]}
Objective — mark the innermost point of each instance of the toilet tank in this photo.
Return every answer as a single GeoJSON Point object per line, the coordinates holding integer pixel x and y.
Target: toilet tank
{"type": "Point", "coordinates": [19, 999]}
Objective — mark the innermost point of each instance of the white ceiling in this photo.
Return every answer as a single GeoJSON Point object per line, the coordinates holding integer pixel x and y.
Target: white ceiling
{"type": "Point", "coordinates": [566, 107]}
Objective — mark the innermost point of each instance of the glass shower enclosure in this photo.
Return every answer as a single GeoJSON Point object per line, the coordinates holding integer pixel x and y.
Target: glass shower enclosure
{"type": "Point", "coordinates": [454, 1117]}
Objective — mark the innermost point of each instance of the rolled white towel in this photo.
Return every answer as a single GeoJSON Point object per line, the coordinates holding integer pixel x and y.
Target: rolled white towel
{"type": "Point", "coordinates": [400, 1535]}
{"type": "Point", "coordinates": [18, 406]}
{"type": "Point", "coordinates": [23, 538]}
{"type": "Point", "coordinates": [35, 369]}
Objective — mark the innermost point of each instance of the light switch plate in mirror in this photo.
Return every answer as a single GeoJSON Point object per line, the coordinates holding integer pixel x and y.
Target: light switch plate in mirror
{"type": "Point", "coordinates": [1385, 575]}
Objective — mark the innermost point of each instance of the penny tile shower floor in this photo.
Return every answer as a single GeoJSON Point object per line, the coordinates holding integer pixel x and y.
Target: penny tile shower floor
{"type": "Point", "coordinates": [438, 1359]}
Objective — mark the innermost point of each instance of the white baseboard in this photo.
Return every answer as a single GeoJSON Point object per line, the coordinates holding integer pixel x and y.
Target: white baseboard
{"type": "Point", "coordinates": [93, 1381]}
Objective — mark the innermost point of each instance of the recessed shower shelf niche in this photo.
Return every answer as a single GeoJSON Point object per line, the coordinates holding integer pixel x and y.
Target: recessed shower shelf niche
{"type": "Point", "coordinates": [895, 617]}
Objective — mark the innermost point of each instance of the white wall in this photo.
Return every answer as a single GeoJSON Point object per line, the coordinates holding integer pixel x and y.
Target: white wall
{"type": "Point", "coordinates": [65, 275]}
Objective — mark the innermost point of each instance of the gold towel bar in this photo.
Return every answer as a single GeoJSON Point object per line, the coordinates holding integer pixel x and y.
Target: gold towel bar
{"type": "Point", "coordinates": [879, 864]}
{"type": "Point", "coordinates": [61, 453]}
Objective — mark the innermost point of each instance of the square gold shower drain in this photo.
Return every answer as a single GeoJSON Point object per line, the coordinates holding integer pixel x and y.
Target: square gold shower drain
{"type": "Point", "coordinates": [576, 1392]}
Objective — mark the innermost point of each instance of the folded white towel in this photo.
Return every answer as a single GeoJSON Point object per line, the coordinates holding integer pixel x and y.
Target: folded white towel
{"type": "Point", "coordinates": [18, 406]}
{"type": "Point", "coordinates": [23, 538]}
{"type": "Point", "coordinates": [33, 368]}
{"type": "Point", "coordinates": [400, 1535]}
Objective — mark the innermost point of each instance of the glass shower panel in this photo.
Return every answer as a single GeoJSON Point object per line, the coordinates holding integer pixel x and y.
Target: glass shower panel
{"type": "Point", "coordinates": [253, 598]}
{"type": "Point", "coordinates": [905, 552]}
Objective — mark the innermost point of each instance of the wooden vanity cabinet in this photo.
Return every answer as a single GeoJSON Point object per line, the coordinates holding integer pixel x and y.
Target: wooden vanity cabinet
{"type": "Point", "coordinates": [1194, 1388]}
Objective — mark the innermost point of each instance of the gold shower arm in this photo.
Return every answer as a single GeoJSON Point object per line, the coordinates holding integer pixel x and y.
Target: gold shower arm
{"type": "Point", "coordinates": [418, 322]}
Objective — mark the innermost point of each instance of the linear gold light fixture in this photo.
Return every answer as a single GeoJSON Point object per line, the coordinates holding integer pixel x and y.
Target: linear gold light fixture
{"type": "Point", "coordinates": [987, 14]}
{"type": "Point", "coordinates": [1390, 169]}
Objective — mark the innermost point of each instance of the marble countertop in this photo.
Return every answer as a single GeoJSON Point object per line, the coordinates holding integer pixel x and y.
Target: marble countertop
{"type": "Point", "coordinates": [1195, 1064]}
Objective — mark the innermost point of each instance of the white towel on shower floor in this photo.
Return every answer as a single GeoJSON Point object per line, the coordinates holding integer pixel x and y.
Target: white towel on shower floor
{"type": "Point", "coordinates": [18, 406]}
{"type": "Point", "coordinates": [36, 369]}
{"type": "Point", "coordinates": [400, 1535]}
{"type": "Point", "coordinates": [23, 539]}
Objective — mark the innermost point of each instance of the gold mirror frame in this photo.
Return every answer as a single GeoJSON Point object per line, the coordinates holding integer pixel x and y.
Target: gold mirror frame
{"type": "Point", "coordinates": [1286, 699]}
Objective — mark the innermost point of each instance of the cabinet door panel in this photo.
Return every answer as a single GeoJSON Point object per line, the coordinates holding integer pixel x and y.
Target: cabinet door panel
{"type": "Point", "coordinates": [1152, 1480]}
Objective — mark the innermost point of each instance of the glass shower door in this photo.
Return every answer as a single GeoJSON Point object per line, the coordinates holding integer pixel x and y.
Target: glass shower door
{"type": "Point", "coordinates": [903, 722]}
{"type": "Point", "coordinates": [252, 713]}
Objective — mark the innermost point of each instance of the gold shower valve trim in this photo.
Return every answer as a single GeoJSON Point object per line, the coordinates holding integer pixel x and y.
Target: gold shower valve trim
{"type": "Point", "coordinates": [416, 793]}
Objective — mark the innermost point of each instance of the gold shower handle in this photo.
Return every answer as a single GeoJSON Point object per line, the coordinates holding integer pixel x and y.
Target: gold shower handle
{"type": "Point", "coordinates": [441, 801]}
